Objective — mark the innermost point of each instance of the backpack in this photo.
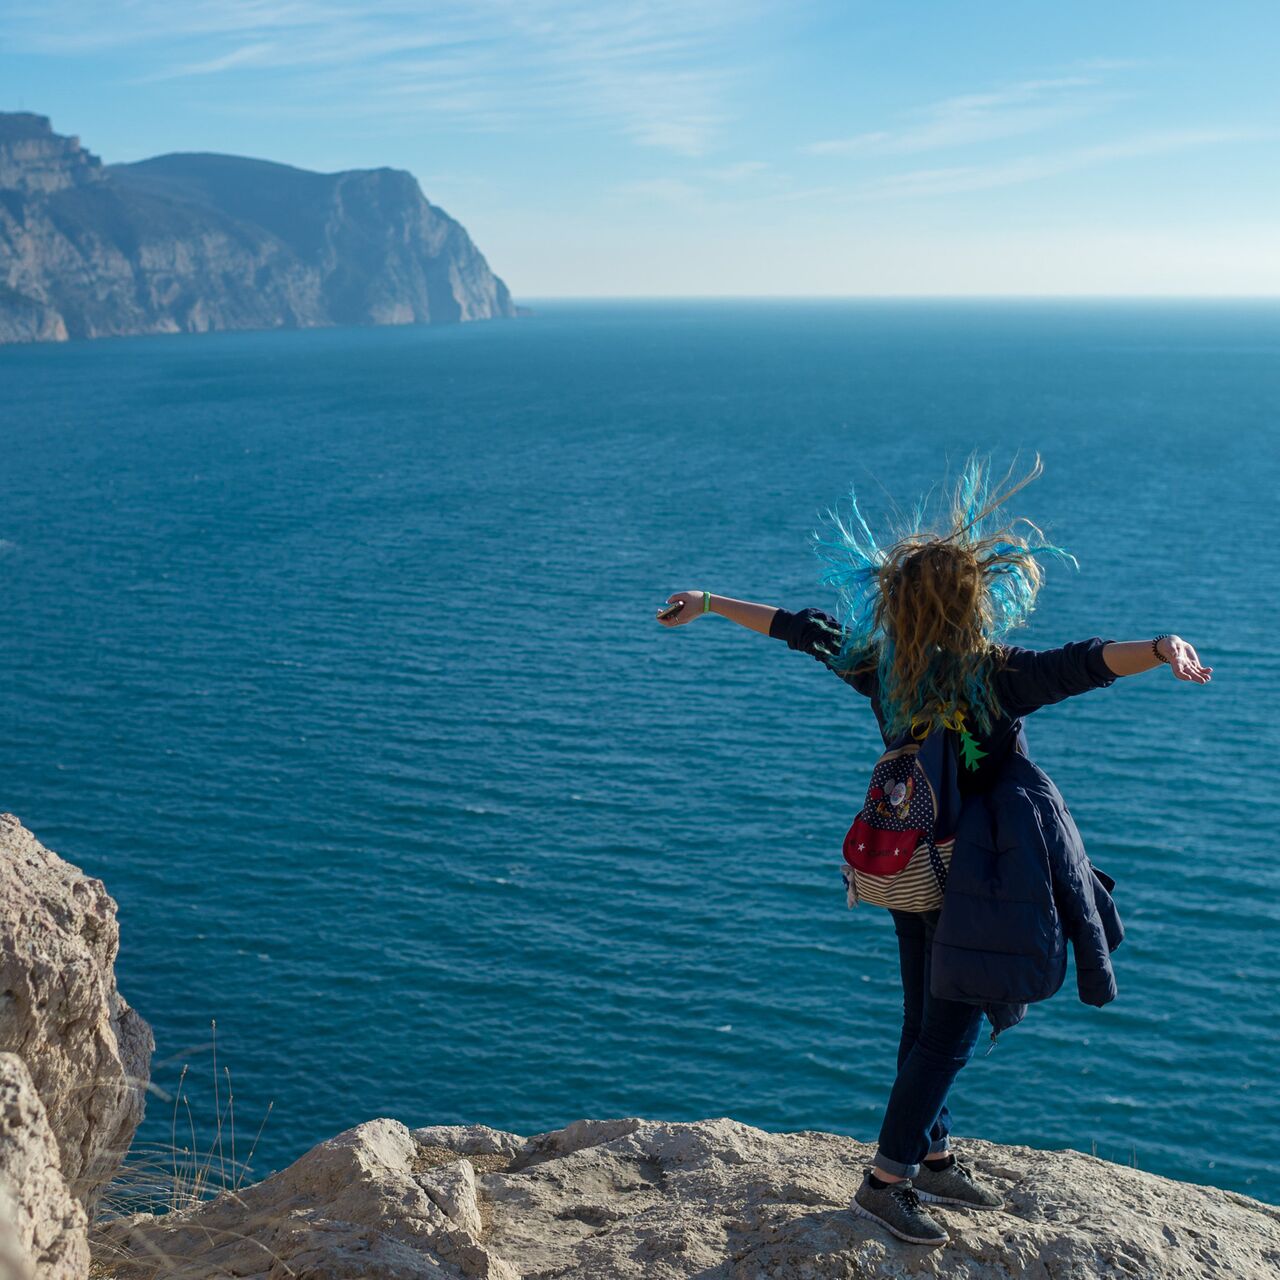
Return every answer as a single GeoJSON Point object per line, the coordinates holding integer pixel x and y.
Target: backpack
{"type": "Point", "coordinates": [899, 847]}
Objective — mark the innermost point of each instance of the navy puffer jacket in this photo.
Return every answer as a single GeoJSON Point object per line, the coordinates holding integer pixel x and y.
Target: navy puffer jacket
{"type": "Point", "coordinates": [1021, 886]}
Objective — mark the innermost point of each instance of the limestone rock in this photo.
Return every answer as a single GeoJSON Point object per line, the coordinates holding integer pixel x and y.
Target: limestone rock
{"type": "Point", "coordinates": [470, 1139]}
{"type": "Point", "coordinates": [365, 1205]}
{"type": "Point", "coordinates": [87, 1051]}
{"type": "Point", "coordinates": [716, 1200]}
{"type": "Point", "coordinates": [35, 160]}
{"type": "Point", "coordinates": [43, 1230]}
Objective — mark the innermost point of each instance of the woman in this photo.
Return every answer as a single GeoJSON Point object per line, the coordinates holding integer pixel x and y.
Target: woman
{"type": "Point", "coordinates": [920, 633]}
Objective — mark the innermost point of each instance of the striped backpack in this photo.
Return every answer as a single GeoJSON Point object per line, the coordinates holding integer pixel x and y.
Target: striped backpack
{"type": "Point", "coordinates": [899, 847]}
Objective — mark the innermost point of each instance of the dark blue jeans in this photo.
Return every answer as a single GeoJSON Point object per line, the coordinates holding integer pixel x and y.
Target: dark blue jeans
{"type": "Point", "coordinates": [938, 1038]}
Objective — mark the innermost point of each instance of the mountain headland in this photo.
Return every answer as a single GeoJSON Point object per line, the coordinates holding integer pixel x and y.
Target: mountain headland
{"type": "Point", "coordinates": [194, 242]}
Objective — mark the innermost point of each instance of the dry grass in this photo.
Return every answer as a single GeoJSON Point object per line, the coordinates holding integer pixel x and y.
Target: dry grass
{"type": "Point", "coordinates": [166, 1178]}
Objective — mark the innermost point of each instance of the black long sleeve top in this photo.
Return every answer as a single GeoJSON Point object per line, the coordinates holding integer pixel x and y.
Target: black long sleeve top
{"type": "Point", "coordinates": [1029, 679]}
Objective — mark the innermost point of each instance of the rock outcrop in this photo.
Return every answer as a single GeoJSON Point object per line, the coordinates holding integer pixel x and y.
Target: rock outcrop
{"type": "Point", "coordinates": [716, 1200]}
{"type": "Point", "coordinates": [196, 242]}
{"type": "Point", "coordinates": [42, 1225]}
{"type": "Point", "coordinates": [88, 1053]}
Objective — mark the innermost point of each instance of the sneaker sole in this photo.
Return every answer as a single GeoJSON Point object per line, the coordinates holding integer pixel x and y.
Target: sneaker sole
{"type": "Point", "coordinates": [933, 1198]}
{"type": "Point", "coordinates": [902, 1235]}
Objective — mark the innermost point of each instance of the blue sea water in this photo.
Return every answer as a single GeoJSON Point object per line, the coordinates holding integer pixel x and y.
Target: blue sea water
{"type": "Point", "coordinates": [333, 653]}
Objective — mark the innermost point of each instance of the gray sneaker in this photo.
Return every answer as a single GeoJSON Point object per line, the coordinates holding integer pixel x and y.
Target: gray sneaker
{"type": "Point", "coordinates": [955, 1185]}
{"type": "Point", "coordinates": [897, 1208]}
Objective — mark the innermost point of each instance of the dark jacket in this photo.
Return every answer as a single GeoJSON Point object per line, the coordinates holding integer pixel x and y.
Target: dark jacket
{"type": "Point", "coordinates": [1020, 885]}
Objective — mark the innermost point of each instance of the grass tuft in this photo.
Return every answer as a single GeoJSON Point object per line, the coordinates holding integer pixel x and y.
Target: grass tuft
{"type": "Point", "coordinates": [160, 1178]}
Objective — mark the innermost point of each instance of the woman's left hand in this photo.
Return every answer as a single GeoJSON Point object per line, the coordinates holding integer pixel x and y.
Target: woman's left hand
{"type": "Point", "coordinates": [1183, 660]}
{"type": "Point", "coordinates": [692, 608]}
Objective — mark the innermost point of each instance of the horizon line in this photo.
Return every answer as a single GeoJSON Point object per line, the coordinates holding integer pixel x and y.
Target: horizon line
{"type": "Point", "coordinates": [895, 297]}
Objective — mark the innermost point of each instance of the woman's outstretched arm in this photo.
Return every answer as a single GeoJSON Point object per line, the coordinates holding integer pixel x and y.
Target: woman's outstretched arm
{"type": "Point", "coordinates": [1130, 657]}
{"type": "Point", "coordinates": [756, 617]}
{"type": "Point", "coordinates": [1027, 679]}
{"type": "Point", "coordinates": [811, 631]}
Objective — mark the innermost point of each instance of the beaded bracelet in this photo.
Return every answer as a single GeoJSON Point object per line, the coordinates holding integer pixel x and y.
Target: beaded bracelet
{"type": "Point", "coordinates": [706, 602]}
{"type": "Point", "coordinates": [1155, 646]}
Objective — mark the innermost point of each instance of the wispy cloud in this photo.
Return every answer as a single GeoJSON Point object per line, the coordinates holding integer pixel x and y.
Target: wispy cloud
{"type": "Point", "coordinates": [263, 53]}
{"type": "Point", "coordinates": [719, 190]}
{"type": "Point", "coordinates": [655, 71]}
{"type": "Point", "coordinates": [1110, 64]}
{"type": "Point", "coordinates": [963, 123]}
{"type": "Point", "coordinates": [959, 178]}
{"type": "Point", "coordinates": [740, 171]}
{"type": "Point", "coordinates": [1026, 107]}
{"type": "Point", "coordinates": [677, 192]}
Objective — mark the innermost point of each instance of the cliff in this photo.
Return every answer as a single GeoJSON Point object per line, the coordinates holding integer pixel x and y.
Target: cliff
{"type": "Point", "coordinates": [75, 1058]}
{"type": "Point", "coordinates": [597, 1200]}
{"type": "Point", "coordinates": [197, 242]}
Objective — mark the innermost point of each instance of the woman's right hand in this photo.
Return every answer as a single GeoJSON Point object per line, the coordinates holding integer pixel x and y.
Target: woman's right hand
{"type": "Point", "coordinates": [1183, 660]}
{"type": "Point", "coordinates": [692, 601]}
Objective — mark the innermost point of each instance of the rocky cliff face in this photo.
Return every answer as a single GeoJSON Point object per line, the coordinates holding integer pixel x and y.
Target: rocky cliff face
{"type": "Point", "coordinates": [195, 242]}
{"type": "Point", "coordinates": [36, 161]}
{"type": "Point", "coordinates": [75, 1059]}
{"type": "Point", "coordinates": [43, 1228]}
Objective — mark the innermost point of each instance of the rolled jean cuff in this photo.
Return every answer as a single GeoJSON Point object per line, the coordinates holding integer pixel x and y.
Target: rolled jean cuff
{"type": "Point", "coordinates": [941, 1147]}
{"type": "Point", "coordinates": [882, 1161]}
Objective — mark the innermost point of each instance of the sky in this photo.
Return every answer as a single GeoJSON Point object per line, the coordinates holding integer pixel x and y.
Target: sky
{"type": "Point", "coordinates": [628, 148]}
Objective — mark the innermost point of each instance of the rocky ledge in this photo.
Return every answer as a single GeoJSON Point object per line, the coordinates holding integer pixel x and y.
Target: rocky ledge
{"type": "Point", "coordinates": [613, 1199]}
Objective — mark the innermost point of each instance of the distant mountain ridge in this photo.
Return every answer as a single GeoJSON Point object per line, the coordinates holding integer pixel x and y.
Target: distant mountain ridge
{"type": "Point", "coordinates": [192, 242]}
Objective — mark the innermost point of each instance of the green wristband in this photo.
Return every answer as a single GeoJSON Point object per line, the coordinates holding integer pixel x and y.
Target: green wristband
{"type": "Point", "coordinates": [706, 602]}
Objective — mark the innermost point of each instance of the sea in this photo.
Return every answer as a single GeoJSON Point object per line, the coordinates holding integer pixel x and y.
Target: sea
{"type": "Point", "coordinates": [334, 654]}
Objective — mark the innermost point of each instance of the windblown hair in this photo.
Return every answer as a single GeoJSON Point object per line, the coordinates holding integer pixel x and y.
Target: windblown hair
{"type": "Point", "coordinates": [928, 612]}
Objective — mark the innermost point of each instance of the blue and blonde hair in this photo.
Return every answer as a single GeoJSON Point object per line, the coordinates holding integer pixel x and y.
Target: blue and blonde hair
{"type": "Point", "coordinates": [928, 611]}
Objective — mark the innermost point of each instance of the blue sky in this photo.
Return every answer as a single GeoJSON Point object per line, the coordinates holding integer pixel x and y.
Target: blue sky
{"type": "Point", "coordinates": [671, 147]}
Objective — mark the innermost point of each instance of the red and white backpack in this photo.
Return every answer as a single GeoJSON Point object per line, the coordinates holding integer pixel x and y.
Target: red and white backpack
{"type": "Point", "coordinates": [899, 847]}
